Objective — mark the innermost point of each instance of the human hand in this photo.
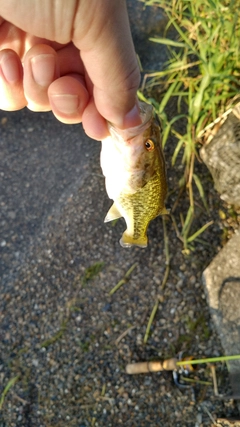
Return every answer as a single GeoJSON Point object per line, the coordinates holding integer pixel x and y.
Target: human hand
{"type": "Point", "coordinates": [75, 58]}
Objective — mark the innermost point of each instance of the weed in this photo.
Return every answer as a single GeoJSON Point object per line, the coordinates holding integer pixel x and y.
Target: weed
{"type": "Point", "coordinates": [9, 385]}
{"type": "Point", "coordinates": [124, 280]}
{"type": "Point", "coordinates": [55, 337]}
{"type": "Point", "coordinates": [84, 345]}
{"type": "Point", "coordinates": [92, 272]}
{"type": "Point", "coordinates": [202, 74]}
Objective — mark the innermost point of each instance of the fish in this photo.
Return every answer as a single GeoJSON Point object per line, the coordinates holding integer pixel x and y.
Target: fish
{"type": "Point", "coordinates": [133, 164]}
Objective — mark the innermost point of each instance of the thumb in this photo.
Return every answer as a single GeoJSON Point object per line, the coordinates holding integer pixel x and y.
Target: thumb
{"type": "Point", "coordinates": [109, 59]}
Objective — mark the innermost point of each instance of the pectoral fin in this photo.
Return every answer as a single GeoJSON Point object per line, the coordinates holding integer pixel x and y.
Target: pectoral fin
{"type": "Point", "coordinates": [164, 211]}
{"type": "Point", "coordinates": [113, 213]}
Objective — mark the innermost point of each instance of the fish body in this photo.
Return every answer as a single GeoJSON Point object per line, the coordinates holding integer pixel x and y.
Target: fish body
{"type": "Point", "coordinates": [133, 163]}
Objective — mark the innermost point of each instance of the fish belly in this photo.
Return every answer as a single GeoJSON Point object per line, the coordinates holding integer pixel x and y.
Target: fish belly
{"type": "Point", "coordinates": [139, 209]}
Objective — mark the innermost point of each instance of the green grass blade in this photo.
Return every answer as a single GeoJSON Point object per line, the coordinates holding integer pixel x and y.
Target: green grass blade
{"type": "Point", "coordinates": [177, 150]}
{"type": "Point", "coordinates": [9, 385]}
{"type": "Point", "coordinates": [141, 97]}
{"type": "Point", "coordinates": [200, 231]}
{"type": "Point", "coordinates": [201, 190]}
{"type": "Point", "coordinates": [168, 95]}
{"type": "Point", "coordinates": [167, 128]}
{"type": "Point", "coordinates": [197, 100]}
{"type": "Point", "coordinates": [124, 280]}
{"type": "Point", "coordinates": [167, 42]}
{"type": "Point", "coordinates": [151, 318]}
{"type": "Point", "coordinates": [208, 360]}
{"type": "Point", "coordinates": [184, 37]}
{"type": "Point", "coordinates": [188, 220]}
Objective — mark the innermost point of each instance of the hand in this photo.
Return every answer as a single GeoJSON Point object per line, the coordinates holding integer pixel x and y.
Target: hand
{"type": "Point", "coordinates": [75, 58]}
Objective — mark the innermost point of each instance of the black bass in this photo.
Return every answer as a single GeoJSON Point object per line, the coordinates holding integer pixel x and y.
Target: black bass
{"type": "Point", "coordinates": [133, 164]}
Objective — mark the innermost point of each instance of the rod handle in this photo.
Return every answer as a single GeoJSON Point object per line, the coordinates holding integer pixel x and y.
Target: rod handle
{"type": "Point", "coordinates": [152, 366]}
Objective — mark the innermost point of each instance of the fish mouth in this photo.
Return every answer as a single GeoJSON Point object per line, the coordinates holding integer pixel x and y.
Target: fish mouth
{"type": "Point", "coordinates": [146, 113]}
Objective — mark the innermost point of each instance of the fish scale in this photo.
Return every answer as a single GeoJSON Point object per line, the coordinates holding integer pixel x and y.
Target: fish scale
{"type": "Point", "coordinates": [137, 203]}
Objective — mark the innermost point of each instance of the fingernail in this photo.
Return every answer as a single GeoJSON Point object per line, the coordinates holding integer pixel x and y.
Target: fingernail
{"type": "Point", "coordinates": [66, 103]}
{"type": "Point", "coordinates": [132, 118]}
{"type": "Point", "coordinates": [43, 69]}
{"type": "Point", "coordinates": [10, 68]}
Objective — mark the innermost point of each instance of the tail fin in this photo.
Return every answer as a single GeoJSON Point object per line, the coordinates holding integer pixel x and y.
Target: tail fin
{"type": "Point", "coordinates": [127, 241]}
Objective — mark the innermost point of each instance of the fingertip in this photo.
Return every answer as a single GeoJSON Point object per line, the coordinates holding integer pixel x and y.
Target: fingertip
{"type": "Point", "coordinates": [122, 116]}
{"type": "Point", "coordinates": [94, 124]}
{"type": "Point", "coordinates": [11, 68]}
{"type": "Point", "coordinates": [132, 118]}
{"type": "Point", "coordinates": [11, 81]}
{"type": "Point", "coordinates": [40, 70]}
{"type": "Point", "coordinates": [68, 98]}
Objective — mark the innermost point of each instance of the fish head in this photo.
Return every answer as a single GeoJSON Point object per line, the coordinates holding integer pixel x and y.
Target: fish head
{"type": "Point", "coordinates": [138, 147]}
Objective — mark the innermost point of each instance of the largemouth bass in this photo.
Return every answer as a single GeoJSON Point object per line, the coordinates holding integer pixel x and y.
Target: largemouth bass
{"type": "Point", "coordinates": [133, 164]}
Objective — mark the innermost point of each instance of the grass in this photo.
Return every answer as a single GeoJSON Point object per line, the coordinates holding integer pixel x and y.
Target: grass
{"type": "Point", "coordinates": [209, 360]}
{"type": "Point", "coordinates": [124, 280]}
{"type": "Point", "coordinates": [59, 334]}
{"type": "Point", "coordinates": [92, 272]}
{"type": "Point", "coordinates": [202, 75]}
{"type": "Point", "coordinates": [9, 385]}
{"type": "Point", "coordinates": [163, 283]}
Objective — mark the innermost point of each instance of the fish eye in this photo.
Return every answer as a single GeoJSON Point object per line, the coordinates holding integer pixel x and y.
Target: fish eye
{"type": "Point", "coordinates": [149, 144]}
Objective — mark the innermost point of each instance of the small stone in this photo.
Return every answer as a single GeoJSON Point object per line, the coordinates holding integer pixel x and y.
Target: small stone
{"type": "Point", "coordinates": [35, 363]}
{"type": "Point", "coordinates": [3, 120]}
{"type": "Point", "coordinates": [192, 280]}
{"type": "Point", "coordinates": [12, 215]}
